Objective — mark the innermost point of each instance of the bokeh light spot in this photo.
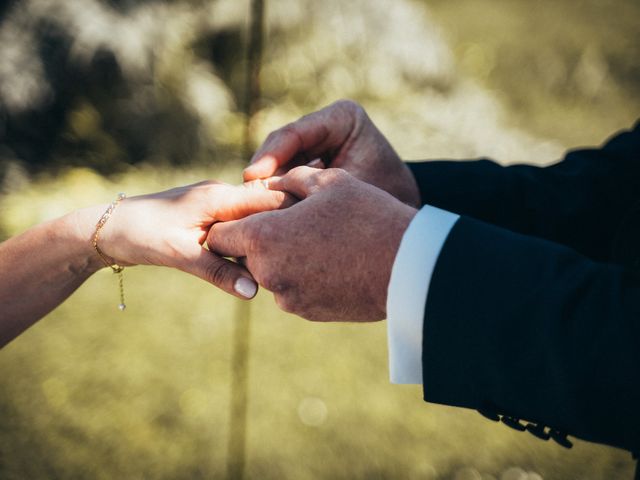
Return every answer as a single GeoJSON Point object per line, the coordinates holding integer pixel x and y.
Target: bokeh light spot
{"type": "Point", "coordinates": [516, 473]}
{"type": "Point", "coordinates": [312, 411]}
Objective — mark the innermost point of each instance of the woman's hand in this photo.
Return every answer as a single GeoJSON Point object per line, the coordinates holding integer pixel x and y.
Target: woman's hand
{"type": "Point", "coordinates": [49, 261]}
{"type": "Point", "coordinates": [170, 227]}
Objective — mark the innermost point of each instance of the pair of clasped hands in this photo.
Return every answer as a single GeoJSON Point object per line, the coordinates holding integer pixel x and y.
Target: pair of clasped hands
{"type": "Point", "coordinates": [317, 222]}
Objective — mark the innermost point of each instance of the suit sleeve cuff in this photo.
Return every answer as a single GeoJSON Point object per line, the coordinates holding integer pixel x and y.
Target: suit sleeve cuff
{"type": "Point", "coordinates": [408, 288]}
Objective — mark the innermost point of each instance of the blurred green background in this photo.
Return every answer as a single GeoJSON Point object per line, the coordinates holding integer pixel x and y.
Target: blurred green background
{"type": "Point", "coordinates": [98, 97]}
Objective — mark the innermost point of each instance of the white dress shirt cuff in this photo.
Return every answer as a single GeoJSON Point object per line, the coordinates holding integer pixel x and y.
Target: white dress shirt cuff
{"type": "Point", "coordinates": [408, 289]}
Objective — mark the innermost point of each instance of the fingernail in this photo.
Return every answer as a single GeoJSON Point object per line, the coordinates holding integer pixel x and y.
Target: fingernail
{"type": "Point", "coordinates": [245, 287]}
{"type": "Point", "coordinates": [316, 163]}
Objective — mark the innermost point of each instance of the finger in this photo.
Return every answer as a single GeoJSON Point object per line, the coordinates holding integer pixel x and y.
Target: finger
{"type": "Point", "coordinates": [287, 145]}
{"type": "Point", "coordinates": [264, 167]}
{"type": "Point", "coordinates": [312, 135]}
{"type": "Point", "coordinates": [299, 162]}
{"type": "Point", "coordinates": [224, 274]}
{"type": "Point", "coordinates": [228, 239]}
{"type": "Point", "coordinates": [301, 181]}
{"type": "Point", "coordinates": [248, 199]}
{"type": "Point", "coordinates": [257, 184]}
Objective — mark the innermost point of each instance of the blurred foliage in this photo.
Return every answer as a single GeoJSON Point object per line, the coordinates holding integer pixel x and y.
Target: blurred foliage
{"type": "Point", "coordinates": [564, 70]}
{"type": "Point", "coordinates": [110, 84]}
{"type": "Point", "coordinates": [149, 92]}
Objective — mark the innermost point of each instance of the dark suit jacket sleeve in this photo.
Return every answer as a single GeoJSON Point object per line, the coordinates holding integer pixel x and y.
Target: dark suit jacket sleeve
{"type": "Point", "coordinates": [532, 312]}
{"type": "Point", "coordinates": [531, 329]}
{"type": "Point", "coordinates": [579, 202]}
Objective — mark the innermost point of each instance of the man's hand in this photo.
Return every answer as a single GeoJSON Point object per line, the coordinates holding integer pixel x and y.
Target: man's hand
{"type": "Point", "coordinates": [328, 257]}
{"type": "Point", "coordinates": [342, 136]}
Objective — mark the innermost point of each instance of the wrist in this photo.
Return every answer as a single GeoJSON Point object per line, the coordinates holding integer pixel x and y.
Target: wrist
{"type": "Point", "coordinates": [78, 228]}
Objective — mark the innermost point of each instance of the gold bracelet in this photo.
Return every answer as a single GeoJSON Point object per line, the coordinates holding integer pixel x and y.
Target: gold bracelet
{"type": "Point", "coordinates": [117, 269]}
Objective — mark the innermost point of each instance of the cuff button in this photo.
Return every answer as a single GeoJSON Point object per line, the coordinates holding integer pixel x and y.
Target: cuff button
{"type": "Point", "coordinates": [561, 438]}
{"type": "Point", "coordinates": [490, 414]}
{"type": "Point", "coordinates": [513, 423]}
{"type": "Point", "coordinates": [538, 430]}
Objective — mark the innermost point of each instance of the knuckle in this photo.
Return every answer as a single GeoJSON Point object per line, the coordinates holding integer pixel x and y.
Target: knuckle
{"type": "Point", "coordinates": [310, 178]}
{"type": "Point", "coordinates": [266, 279]}
{"type": "Point", "coordinates": [273, 282]}
{"type": "Point", "coordinates": [315, 182]}
{"type": "Point", "coordinates": [289, 130]}
{"type": "Point", "coordinates": [346, 103]}
{"type": "Point", "coordinates": [303, 173]}
{"type": "Point", "coordinates": [349, 105]}
{"type": "Point", "coordinates": [218, 273]}
{"type": "Point", "coordinates": [300, 170]}
{"type": "Point", "coordinates": [285, 302]}
{"type": "Point", "coordinates": [260, 236]}
{"type": "Point", "coordinates": [273, 135]}
{"type": "Point", "coordinates": [339, 174]}
{"type": "Point", "coordinates": [332, 176]}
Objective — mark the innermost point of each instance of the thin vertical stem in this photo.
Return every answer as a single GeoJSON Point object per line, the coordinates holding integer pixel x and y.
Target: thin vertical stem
{"type": "Point", "coordinates": [239, 392]}
{"type": "Point", "coordinates": [242, 328]}
{"type": "Point", "coordinates": [252, 78]}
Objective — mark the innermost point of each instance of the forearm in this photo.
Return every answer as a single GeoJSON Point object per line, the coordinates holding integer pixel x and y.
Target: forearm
{"type": "Point", "coordinates": [42, 267]}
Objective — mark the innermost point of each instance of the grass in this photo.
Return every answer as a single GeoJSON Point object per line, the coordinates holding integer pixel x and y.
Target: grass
{"type": "Point", "coordinates": [90, 392]}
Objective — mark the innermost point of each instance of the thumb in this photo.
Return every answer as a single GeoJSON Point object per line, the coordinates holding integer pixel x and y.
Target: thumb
{"type": "Point", "coordinates": [224, 274]}
{"type": "Point", "coordinates": [262, 167]}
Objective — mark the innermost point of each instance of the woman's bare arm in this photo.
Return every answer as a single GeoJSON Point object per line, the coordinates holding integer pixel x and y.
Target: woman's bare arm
{"type": "Point", "coordinates": [41, 267]}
